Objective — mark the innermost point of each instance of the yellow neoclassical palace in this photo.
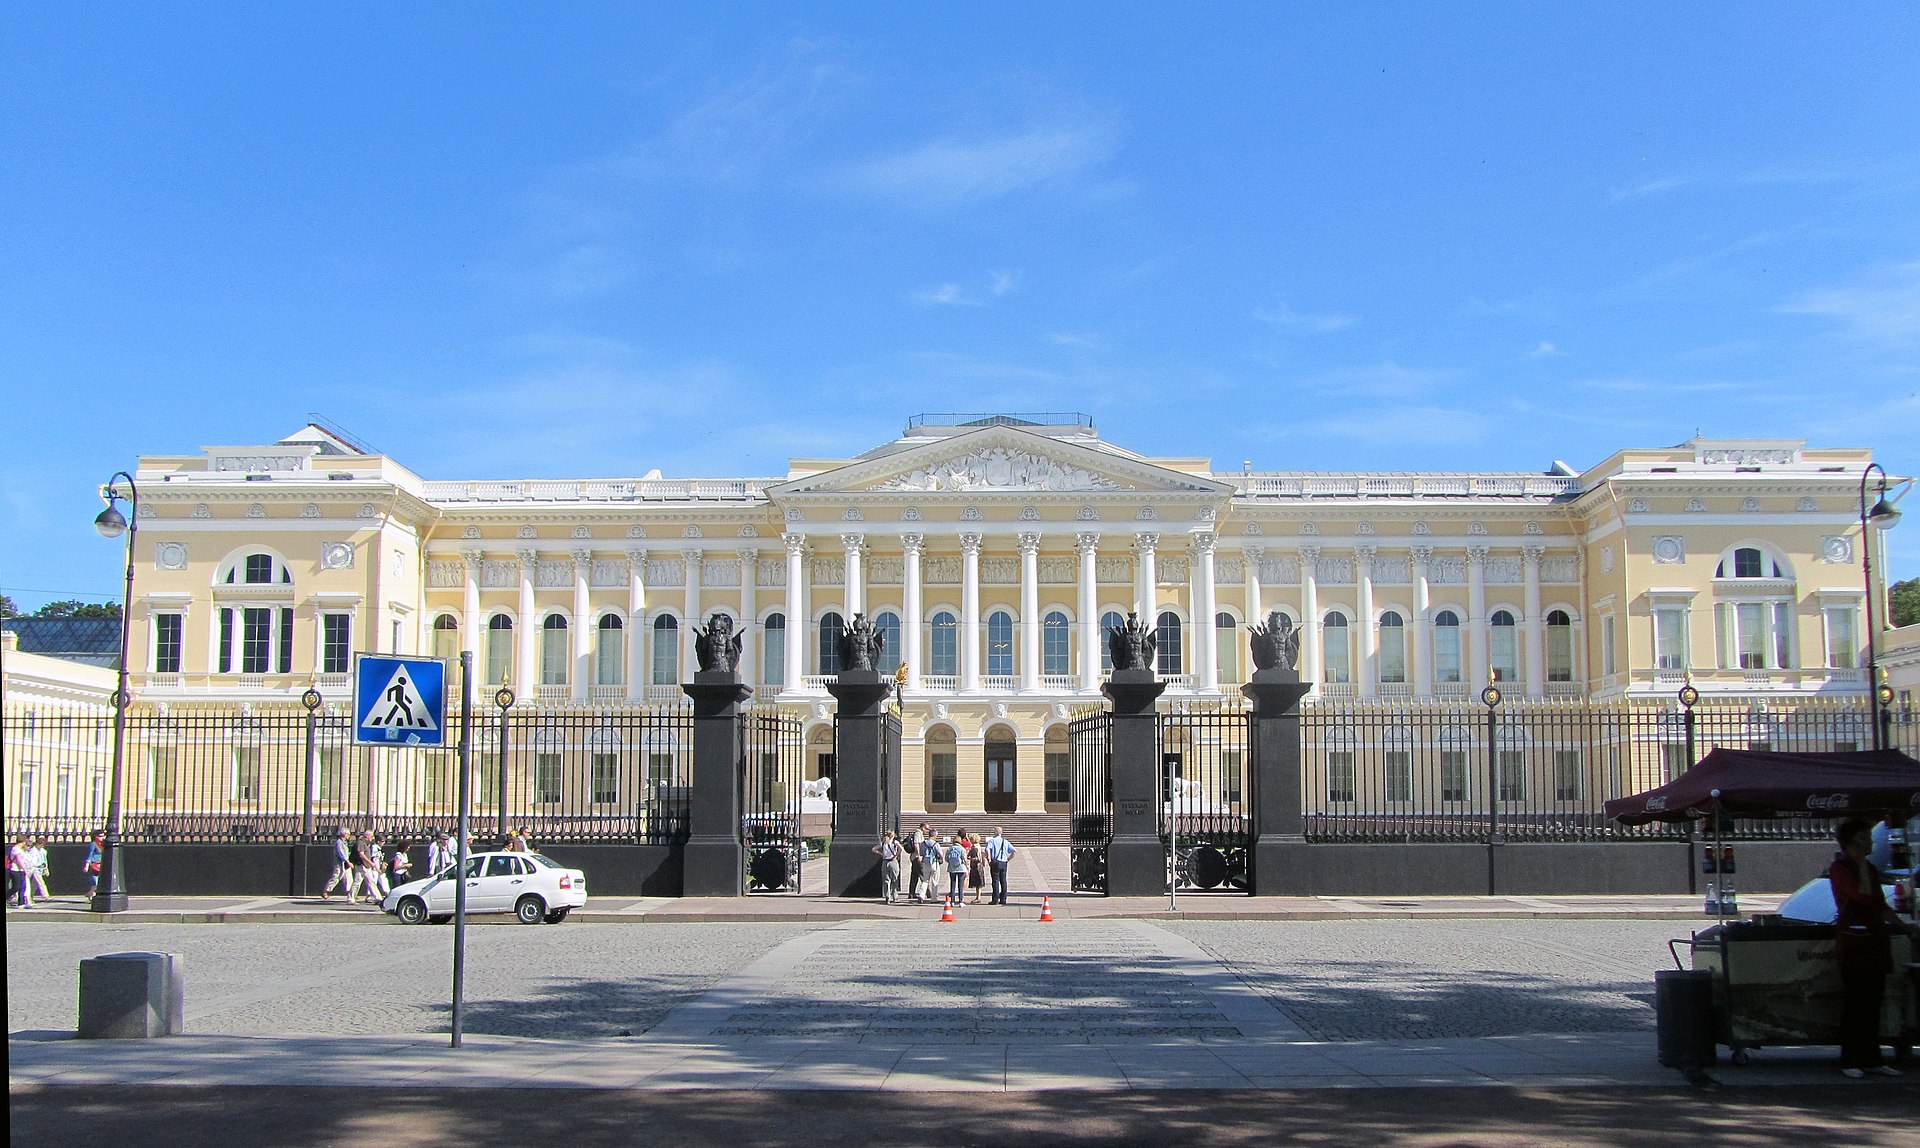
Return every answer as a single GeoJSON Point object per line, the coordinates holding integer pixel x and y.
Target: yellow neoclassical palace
{"type": "Point", "coordinates": [991, 550]}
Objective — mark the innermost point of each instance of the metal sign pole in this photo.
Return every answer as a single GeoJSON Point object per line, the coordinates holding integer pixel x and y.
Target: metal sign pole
{"type": "Point", "coordinates": [460, 846]}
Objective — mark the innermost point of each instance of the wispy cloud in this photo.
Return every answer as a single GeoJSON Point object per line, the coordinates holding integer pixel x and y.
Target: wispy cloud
{"type": "Point", "coordinates": [1280, 314]}
{"type": "Point", "coordinates": [1758, 177]}
{"type": "Point", "coordinates": [1385, 380]}
{"type": "Point", "coordinates": [1419, 426]}
{"type": "Point", "coordinates": [1544, 350]}
{"type": "Point", "coordinates": [946, 295]}
{"type": "Point", "coordinates": [956, 171]}
{"type": "Point", "coordinates": [1004, 282]}
{"type": "Point", "coordinates": [1883, 307]}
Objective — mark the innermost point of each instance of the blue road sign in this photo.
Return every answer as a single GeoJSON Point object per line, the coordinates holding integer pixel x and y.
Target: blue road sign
{"type": "Point", "coordinates": [399, 701]}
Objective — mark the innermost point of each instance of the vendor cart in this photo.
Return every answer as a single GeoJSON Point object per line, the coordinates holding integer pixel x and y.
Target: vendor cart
{"type": "Point", "coordinates": [1775, 982]}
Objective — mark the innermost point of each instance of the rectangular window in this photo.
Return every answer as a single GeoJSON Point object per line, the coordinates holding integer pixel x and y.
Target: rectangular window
{"type": "Point", "coordinates": [1503, 652]}
{"type": "Point", "coordinates": [773, 669]}
{"type": "Point", "coordinates": [944, 652]}
{"type": "Point", "coordinates": [1609, 654]}
{"type": "Point", "coordinates": [1566, 775]}
{"type": "Point", "coordinates": [605, 778]}
{"type": "Point", "coordinates": [659, 773]}
{"type": "Point", "coordinates": [433, 780]}
{"type": "Point", "coordinates": [1843, 651]}
{"type": "Point", "coordinates": [1399, 776]}
{"type": "Point", "coordinates": [1446, 654]}
{"type": "Point", "coordinates": [499, 653]}
{"type": "Point", "coordinates": [225, 657]}
{"type": "Point", "coordinates": [336, 643]}
{"type": "Point", "coordinates": [610, 656]}
{"type": "Point", "coordinates": [1513, 775]}
{"type": "Point", "coordinates": [246, 773]}
{"type": "Point", "coordinates": [256, 639]}
{"type": "Point", "coordinates": [1393, 654]}
{"type": "Point", "coordinates": [328, 779]}
{"type": "Point", "coordinates": [943, 779]}
{"type": "Point", "coordinates": [1226, 648]}
{"type": "Point", "coordinates": [666, 655]}
{"type": "Point", "coordinates": [1673, 758]}
{"type": "Point", "coordinates": [1056, 640]}
{"type": "Point", "coordinates": [1059, 779]}
{"type": "Point", "coordinates": [1670, 637]}
{"type": "Point", "coordinates": [27, 774]}
{"type": "Point", "coordinates": [1783, 634]}
{"type": "Point", "coordinates": [1453, 775]}
{"type": "Point", "coordinates": [546, 778]}
{"type": "Point", "coordinates": [1750, 644]}
{"type": "Point", "coordinates": [1232, 777]}
{"type": "Point", "coordinates": [486, 776]}
{"type": "Point", "coordinates": [1340, 775]}
{"type": "Point", "coordinates": [166, 643]}
{"type": "Point", "coordinates": [163, 772]}
{"type": "Point", "coordinates": [285, 662]}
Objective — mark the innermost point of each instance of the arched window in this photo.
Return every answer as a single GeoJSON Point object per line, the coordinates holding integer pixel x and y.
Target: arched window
{"type": "Point", "coordinates": [1337, 649]}
{"type": "Point", "coordinates": [1559, 646]}
{"type": "Point", "coordinates": [1749, 562]}
{"type": "Point", "coordinates": [1393, 648]}
{"type": "Point", "coordinates": [888, 624]}
{"type": "Point", "coordinates": [1503, 647]}
{"type": "Point", "coordinates": [499, 648]}
{"type": "Point", "coordinates": [610, 651]}
{"type": "Point", "coordinates": [446, 636]}
{"type": "Point", "coordinates": [773, 649]}
{"type": "Point", "coordinates": [1109, 622]}
{"type": "Point", "coordinates": [832, 626]}
{"type": "Point", "coordinates": [666, 650]}
{"type": "Point", "coordinates": [553, 651]}
{"type": "Point", "coordinates": [1226, 646]}
{"type": "Point", "coordinates": [1000, 644]}
{"type": "Point", "coordinates": [1446, 647]}
{"type": "Point", "coordinates": [943, 650]}
{"type": "Point", "coordinates": [1167, 634]}
{"type": "Point", "coordinates": [1056, 645]}
{"type": "Point", "coordinates": [257, 570]}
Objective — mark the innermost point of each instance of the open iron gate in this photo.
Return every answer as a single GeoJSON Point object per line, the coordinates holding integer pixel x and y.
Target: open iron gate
{"type": "Point", "coordinates": [1206, 804]}
{"type": "Point", "coordinates": [1090, 756]}
{"type": "Point", "coordinates": [773, 780]}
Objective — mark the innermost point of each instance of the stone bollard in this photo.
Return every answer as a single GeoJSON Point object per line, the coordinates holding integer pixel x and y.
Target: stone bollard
{"type": "Point", "coordinates": [132, 995]}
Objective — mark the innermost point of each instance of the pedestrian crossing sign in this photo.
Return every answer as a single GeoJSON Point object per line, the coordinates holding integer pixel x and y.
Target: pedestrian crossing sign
{"type": "Point", "coordinates": [399, 701]}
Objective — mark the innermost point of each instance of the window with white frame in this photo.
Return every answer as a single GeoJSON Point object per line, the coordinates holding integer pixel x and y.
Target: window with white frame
{"type": "Point", "coordinates": [1393, 648]}
{"type": "Point", "coordinates": [1336, 657]}
{"type": "Point", "coordinates": [1843, 642]}
{"type": "Point", "coordinates": [1226, 646]}
{"type": "Point", "coordinates": [1167, 634]}
{"type": "Point", "coordinates": [554, 651]}
{"type": "Point", "coordinates": [1670, 636]}
{"type": "Point", "coordinates": [1109, 622]}
{"type": "Point", "coordinates": [1559, 646]}
{"type": "Point", "coordinates": [943, 646]}
{"type": "Point", "coordinates": [1056, 644]}
{"type": "Point", "coordinates": [546, 779]}
{"type": "Point", "coordinates": [832, 626]}
{"type": "Point", "coordinates": [1340, 775]}
{"type": "Point", "coordinates": [1503, 646]}
{"type": "Point", "coordinates": [1567, 775]}
{"type": "Point", "coordinates": [610, 651]}
{"type": "Point", "coordinates": [1756, 635]}
{"type": "Point", "coordinates": [773, 645]}
{"type": "Point", "coordinates": [499, 649]}
{"type": "Point", "coordinates": [666, 650]}
{"type": "Point", "coordinates": [167, 630]}
{"type": "Point", "coordinates": [1453, 775]}
{"type": "Point", "coordinates": [604, 778]}
{"type": "Point", "coordinates": [1399, 776]}
{"type": "Point", "coordinates": [336, 643]}
{"type": "Point", "coordinates": [887, 625]}
{"type": "Point", "coordinates": [446, 637]}
{"type": "Point", "coordinates": [999, 644]}
{"type": "Point", "coordinates": [1446, 647]}
{"type": "Point", "coordinates": [255, 640]}
{"type": "Point", "coordinates": [1609, 651]}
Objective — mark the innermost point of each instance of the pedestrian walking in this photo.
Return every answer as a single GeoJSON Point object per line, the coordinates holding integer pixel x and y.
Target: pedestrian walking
{"type": "Point", "coordinates": [956, 870]}
{"type": "Point", "coordinates": [889, 851]}
{"type": "Point", "coordinates": [366, 870]}
{"type": "Point", "coordinates": [999, 852]}
{"type": "Point", "coordinates": [440, 855]}
{"type": "Point", "coordinates": [976, 866]}
{"type": "Point", "coordinates": [18, 888]}
{"type": "Point", "coordinates": [399, 866]}
{"type": "Point", "coordinates": [96, 856]}
{"type": "Point", "coordinates": [380, 887]}
{"type": "Point", "coordinates": [37, 868]}
{"type": "Point", "coordinates": [342, 866]}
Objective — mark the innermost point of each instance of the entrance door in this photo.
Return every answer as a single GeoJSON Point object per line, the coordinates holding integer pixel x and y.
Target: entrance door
{"type": "Point", "coordinates": [1002, 796]}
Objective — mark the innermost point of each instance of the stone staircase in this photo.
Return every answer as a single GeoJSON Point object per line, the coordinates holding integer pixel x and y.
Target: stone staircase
{"type": "Point", "coordinates": [1023, 829]}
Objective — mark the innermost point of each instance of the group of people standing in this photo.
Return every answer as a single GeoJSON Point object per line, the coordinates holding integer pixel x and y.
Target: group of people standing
{"type": "Point", "coordinates": [956, 863]}
{"type": "Point", "coordinates": [27, 871]}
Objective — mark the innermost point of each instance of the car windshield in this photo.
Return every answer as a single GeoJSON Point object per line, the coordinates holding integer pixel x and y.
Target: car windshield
{"type": "Point", "coordinates": [543, 862]}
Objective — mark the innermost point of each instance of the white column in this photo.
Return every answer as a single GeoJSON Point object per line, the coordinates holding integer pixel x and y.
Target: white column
{"type": "Point", "coordinates": [855, 597]}
{"type": "Point", "coordinates": [1029, 611]}
{"type": "Point", "coordinates": [1535, 671]}
{"type": "Point", "coordinates": [1420, 626]}
{"type": "Point", "coordinates": [1204, 608]}
{"type": "Point", "coordinates": [913, 625]}
{"type": "Point", "coordinates": [527, 630]}
{"type": "Point", "coordinates": [1369, 637]}
{"type": "Point", "coordinates": [1310, 614]}
{"type": "Point", "coordinates": [1251, 557]}
{"type": "Point", "coordinates": [970, 611]}
{"type": "Point", "coordinates": [691, 606]}
{"type": "Point", "coordinates": [1146, 598]}
{"type": "Point", "coordinates": [1476, 616]}
{"type": "Point", "coordinates": [582, 625]}
{"type": "Point", "coordinates": [636, 623]}
{"type": "Point", "coordinates": [749, 607]}
{"type": "Point", "coordinates": [470, 620]}
{"type": "Point", "coordinates": [797, 624]}
{"type": "Point", "coordinates": [1089, 608]}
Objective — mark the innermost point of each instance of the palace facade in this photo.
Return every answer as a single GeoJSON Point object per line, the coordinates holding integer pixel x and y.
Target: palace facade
{"type": "Point", "coordinates": [991, 551]}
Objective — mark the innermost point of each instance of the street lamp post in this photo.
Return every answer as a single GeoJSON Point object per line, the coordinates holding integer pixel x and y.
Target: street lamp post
{"type": "Point", "coordinates": [503, 697]}
{"type": "Point", "coordinates": [110, 894]}
{"type": "Point", "coordinates": [1882, 516]}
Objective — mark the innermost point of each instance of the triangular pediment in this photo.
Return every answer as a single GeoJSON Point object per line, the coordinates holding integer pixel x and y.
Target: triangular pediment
{"type": "Point", "coordinates": [1000, 460]}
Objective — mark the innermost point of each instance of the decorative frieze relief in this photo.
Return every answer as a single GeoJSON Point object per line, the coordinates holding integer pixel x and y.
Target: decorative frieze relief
{"type": "Point", "coordinates": [554, 572]}
{"type": "Point", "coordinates": [526, 532]}
{"type": "Point", "coordinates": [310, 510]}
{"type": "Point", "coordinates": [1229, 570]}
{"type": "Point", "coordinates": [609, 572]}
{"type": "Point", "coordinates": [1058, 570]}
{"type": "Point", "coordinates": [1478, 528]}
{"type": "Point", "coordinates": [1392, 570]}
{"type": "Point", "coordinates": [1503, 570]}
{"type": "Point", "coordinates": [827, 571]}
{"type": "Point", "coordinates": [999, 571]}
{"type": "Point", "coordinates": [470, 533]}
{"type": "Point", "coordinates": [887, 571]}
{"type": "Point", "coordinates": [941, 570]}
{"type": "Point", "coordinates": [1744, 457]}
{"type": "Point", "coordinates": [1113, 568]}
{"type": "Point", "coordinates": [1170, 570]}
{"type": "Point", "coordinates": [170, 556]}
{"type": "Point", "coordinates": [1422, 529]}
{"type": "Point", "coordinates": [1636, 506]}
{"type": "Point", "coordinates": [1807, 504]}
{"type": "Point", "coordinates": [720, 572]}
{"type": "Point", "coordinates": [999, 468]}
{"type": "Point", "coordinates": [445, 575]}
{"type": "Point", "coordinates": [1560, 568]}
{"type": "Point", "coordinates": [1606, 559]}
{"type": "Point", "coordinates": [1281, 570]}
{"type": "Point", "coordinates": [258, 463]}
{"type": "Point", "coordinates": [1447, 571]}
{"type": "Point", "coordinates": [1696, 506]}
{"type": "Point", "coordinates": [772, 572]}
{"type": "Point", "coordinates": [1087, 514]}
{"type": "Point", "coordinates": [497, 574]}
{"type": "Point", "coordinates": [1338, 571]}
{"type": "Point", "coordinates": [1750, 505]}
{"type": "Point", "coordinates": [666, 572]}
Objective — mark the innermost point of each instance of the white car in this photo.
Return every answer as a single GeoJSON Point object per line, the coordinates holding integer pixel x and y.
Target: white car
{"type": "Point", "coordinates": [531, 887]}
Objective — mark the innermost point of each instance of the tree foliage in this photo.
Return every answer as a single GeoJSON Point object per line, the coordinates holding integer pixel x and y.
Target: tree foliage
{"type": "Point", "coordinates": [74, 608]}
{"type": "Point", "coordinates": [7, 608]}
{"type": "Point", "coordinates": [1903, 602]}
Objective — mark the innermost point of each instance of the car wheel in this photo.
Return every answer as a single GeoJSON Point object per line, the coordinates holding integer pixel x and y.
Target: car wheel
{"type": "Point", "coordinates": [529, 910]}
{"type": "Point", "coordinates": [411, 911]}
{"type": "Point", "coordinates": [555, 916]}
{"type": "Point", "coordinates": [440, 918]}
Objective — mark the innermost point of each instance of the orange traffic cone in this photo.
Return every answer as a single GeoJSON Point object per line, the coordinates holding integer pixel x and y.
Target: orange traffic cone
{"type": "Point", "coordinates": [946, 914]}
{"type": "Point", "coordinates": [1046, 909]}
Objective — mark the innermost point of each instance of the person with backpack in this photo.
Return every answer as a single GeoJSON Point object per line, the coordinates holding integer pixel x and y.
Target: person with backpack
{"type": "Point", "coordinates": [342, 866]}
{"type": "Point", "coordinates": [932, 861]}
{"type": "Point", "coordinates": [956, 871]}
{"type": "Point", "coordinates": [889, 851]}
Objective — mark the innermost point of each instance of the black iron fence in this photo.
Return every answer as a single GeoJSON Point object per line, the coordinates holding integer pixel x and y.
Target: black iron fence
{"type": "Point", "coordinates": [1205, 808]}
{"type": "Point", "coordinates": [780, 809]}
{"type": "Point", "coordinates": [1090, 757]}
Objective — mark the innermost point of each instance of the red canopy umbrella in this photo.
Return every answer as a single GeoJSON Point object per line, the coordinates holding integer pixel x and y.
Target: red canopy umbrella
{"type": "Point", "coordinates": [1753, 783]}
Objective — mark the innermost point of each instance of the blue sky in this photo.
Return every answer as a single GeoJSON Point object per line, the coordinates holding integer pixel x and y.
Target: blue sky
{"type": "Point", "coordinates": [521, 240]}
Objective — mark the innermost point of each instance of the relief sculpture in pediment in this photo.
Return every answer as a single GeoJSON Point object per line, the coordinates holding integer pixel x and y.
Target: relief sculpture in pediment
{"type": "Point", "coordinates": [998, 468]}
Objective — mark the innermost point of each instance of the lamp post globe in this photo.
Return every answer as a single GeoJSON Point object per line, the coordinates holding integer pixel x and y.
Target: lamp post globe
{"type": "Point", "coordinates": [1882, 515]}
{"type": "Point", "coordinates": [110, 891]}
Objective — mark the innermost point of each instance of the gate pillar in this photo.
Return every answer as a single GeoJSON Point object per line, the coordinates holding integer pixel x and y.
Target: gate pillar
{"type": "Point", "coordinates": [1280, 842]}
{"type": "Point", "coordinates": [863, 791]}
{"type": "Point", "coordinates": [1136, 857]}
{"type": "Point", "coordinates": [715, 860]}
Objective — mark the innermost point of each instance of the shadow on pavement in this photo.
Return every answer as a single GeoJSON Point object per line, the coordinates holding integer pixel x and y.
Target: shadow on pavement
{"type": "Point", "coordinates": [268, 1117]}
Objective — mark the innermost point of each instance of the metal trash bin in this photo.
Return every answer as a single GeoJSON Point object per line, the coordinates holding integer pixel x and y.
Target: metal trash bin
{"type": "Point", "coordinates": [1683, 1015]}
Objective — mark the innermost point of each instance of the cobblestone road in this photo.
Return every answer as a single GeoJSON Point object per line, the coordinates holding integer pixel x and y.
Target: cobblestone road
{"type": "Point", "coordinates": [1337, 980]}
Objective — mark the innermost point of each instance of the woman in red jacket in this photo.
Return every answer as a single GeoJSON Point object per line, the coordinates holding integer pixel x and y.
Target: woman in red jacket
{"type": "Point", "coordinates": [1861, 949]}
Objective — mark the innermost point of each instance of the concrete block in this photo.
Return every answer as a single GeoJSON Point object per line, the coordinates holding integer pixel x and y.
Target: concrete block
{"type": "Point", "coordinates": [131, 995]}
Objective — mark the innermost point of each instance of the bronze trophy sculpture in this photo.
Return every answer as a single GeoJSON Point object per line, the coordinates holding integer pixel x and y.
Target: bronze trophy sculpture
{"type": "Point", "coordinates": [1276, 644]}
{"type": "Point", "coordinates": [1133, 645]}
{"type": "Point", "coordinates": [716, 646]}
